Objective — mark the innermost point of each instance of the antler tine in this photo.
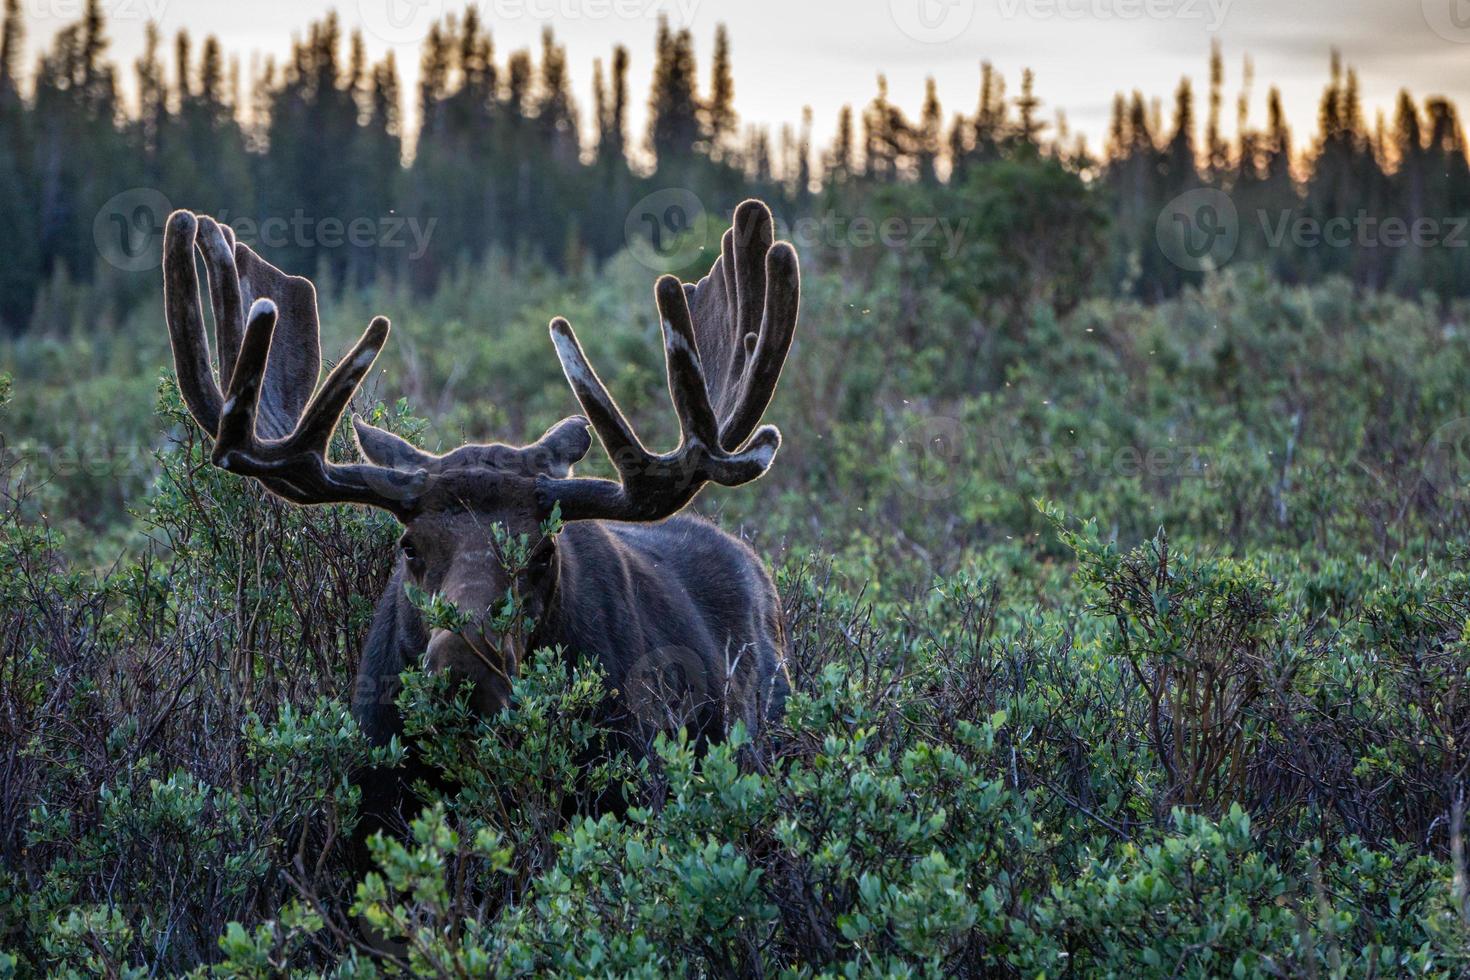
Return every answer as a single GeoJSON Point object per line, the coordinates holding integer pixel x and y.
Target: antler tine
{"type": "Point", "coordinates": [237, 421]}
{"type": "Point", "coordinates": [325, 409]}
{"type": "Point", "coordinates": [781, 306]}
{"type": "Point", "coordinates": [294, 466]}
{"type": "Point", "coordinates": [754, 232]}
{"type": "Point", "coordinates": [186, 324]}
{"type": "Point", "coordinates": [607, 419]}
{"type": "Point", "coordinates": [297, 467]}
{"type": "Point", "coordinates": [744, 315]}
{"type": "Point", "coordinates": [217, 242]}
{"type": "Point", "coordinates": [653, 487]}
{"type": "Point", "coordinates": [697, 423]}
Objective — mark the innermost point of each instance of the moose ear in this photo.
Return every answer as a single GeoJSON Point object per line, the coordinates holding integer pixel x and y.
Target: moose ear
{"type": "Point", "coordinates": [383, 448]}
{"type": "Point", "coordinates": [561, 447]}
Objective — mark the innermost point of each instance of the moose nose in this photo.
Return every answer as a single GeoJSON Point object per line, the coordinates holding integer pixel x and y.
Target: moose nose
{"type": "Point", "coordinates": [471, 655]}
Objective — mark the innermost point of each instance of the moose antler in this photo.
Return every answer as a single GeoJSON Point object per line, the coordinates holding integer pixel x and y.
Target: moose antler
{"type": "Point", "coordinates": [724, 359]}
{"type": "Point", "coordinates": [265, 426]}
{"type": "Point", "coordinates": [745, 317]}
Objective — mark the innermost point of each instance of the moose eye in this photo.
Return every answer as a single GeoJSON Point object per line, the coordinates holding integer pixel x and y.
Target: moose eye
{"type": "Point", "coordinates": [411, 556]}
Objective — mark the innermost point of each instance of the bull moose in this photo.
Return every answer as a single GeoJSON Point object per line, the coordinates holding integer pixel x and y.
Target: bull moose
{"type": "Point", "coordinates": [629, 580]}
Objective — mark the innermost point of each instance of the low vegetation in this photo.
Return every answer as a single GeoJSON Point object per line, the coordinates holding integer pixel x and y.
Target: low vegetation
{"type": "Point", "coordinates": [1138, 648]}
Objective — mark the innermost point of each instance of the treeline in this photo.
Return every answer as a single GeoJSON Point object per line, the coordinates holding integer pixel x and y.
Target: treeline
{"type": "Point", "coordinates": [503, 159]}
{"type": "Point", "coordinates": [1386, 205]}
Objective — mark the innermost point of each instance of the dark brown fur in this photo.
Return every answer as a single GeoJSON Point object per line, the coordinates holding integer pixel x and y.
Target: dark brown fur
{"type": "Point", "coordinates": [681, 617]}
{"type": "Point", "coordinates": [608, 598]}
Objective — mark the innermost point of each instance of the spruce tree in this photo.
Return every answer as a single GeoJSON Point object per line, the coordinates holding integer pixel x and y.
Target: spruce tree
{"type": "Point", "coordinates": [11, 36]}
{"type": "Point", "coordinates": [930, 122]}
{"type": "Point", "coordinates": [152, 96]}
{"type": "Point", "coordinates": [1180, 159]}
{"type": "Point", "coordinates": [840, 160]}
{"type": "Point", "coordinates": [1278, 140]}
{"type": "Point", "coordinates": [20, 272]}
{"type": "Point", "coordinates": [673, 105]}
{"type": "Point", "coordinates": [720, 117]}
{"type": "Point", "coordinates": [619, 128]}
{"type": "Point", "coordinates": [990, 117]}
{"type": "Point", "coordinates": [804, 155]}
{"type": "Point", "coordinates": [1028, 126]}
{"type": "Point", "coordinates": [1215, 146]}
{"type": "Point", "coordinates": [555, 111]}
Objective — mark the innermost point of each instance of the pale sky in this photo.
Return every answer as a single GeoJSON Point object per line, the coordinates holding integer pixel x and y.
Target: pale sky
{"type": "Point", "coordinates": [792, 53]}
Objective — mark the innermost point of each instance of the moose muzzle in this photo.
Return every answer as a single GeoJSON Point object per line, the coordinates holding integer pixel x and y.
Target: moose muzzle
{"type": "Point", "coordinates": [485, 658]}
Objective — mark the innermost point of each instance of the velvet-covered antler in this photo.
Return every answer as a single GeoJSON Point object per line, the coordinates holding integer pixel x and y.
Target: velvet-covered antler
{"type": "Point", "coordinates": [725, 342]}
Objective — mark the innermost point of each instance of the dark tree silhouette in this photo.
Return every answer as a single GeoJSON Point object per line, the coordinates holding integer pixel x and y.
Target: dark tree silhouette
{"type": "Point", "coordinates": [499, 163]}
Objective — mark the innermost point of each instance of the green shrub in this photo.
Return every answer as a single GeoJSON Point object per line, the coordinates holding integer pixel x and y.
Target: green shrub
{"type": "Point", "coordinates": [1218, 726]}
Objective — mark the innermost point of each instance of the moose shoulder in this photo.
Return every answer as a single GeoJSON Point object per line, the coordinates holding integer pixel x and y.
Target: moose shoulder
{"type": "Point", "coordinates": [682, 617]}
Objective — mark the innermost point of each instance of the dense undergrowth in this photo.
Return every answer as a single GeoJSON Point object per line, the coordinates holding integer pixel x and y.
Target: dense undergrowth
{"type": "Point", "coordinates": [1136, 649]}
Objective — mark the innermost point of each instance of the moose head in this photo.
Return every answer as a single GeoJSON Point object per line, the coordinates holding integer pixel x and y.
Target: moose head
{"type": "Point", "coordinates": [725, 341]}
